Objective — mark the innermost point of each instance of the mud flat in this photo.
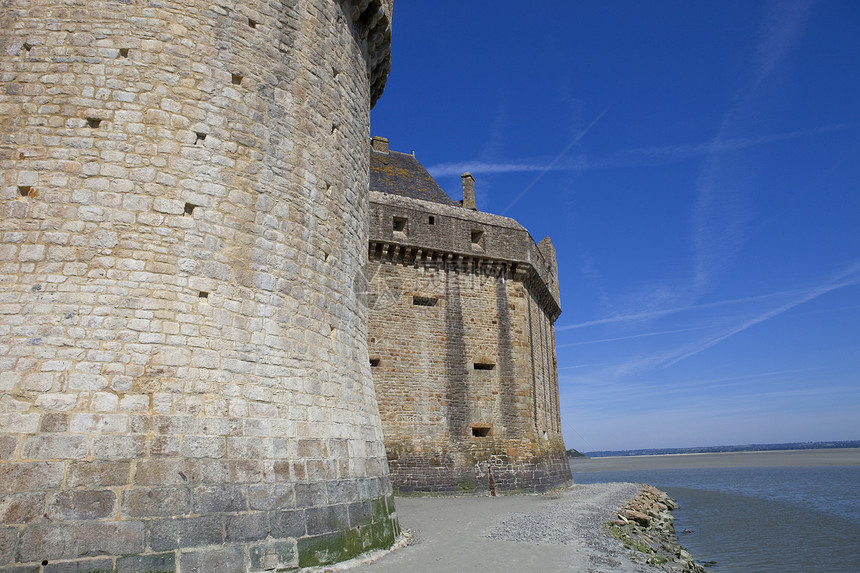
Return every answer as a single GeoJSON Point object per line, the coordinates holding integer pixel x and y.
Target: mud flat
{"type": "Point", "coordinates": [771, 458]}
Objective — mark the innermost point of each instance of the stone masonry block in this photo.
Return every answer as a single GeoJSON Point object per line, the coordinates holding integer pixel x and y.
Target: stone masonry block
{"type": "Point", "coordinates": [119, 447]}
{"type": "Point", "coordinates": [342, 491]}
{"type": "Point", "coordinates": [55, 446]}
{"type": "Point", "coordinates": [203, 446]}
{"type": "Point", "coordinates": [156, 502]}
{"type": "Point", "coordinates": [51, 542]}
{"type": "Point", "coordinates": [271, 496]}
{"type": "Point", "coordinates": [161, 563]}
{"type": "Point", "coordinates": [222, 559]}
{"type": "Point", "coordinates": [8, 444]}
{"type": "Point", "coordinates": [21, 508]}
{"type": "Point", "coordinates": [310, 494]}
{"type": "Point", "coordinates": [88, 566]}
{"type": "Point", "coordinates": [326, 519]}
{"type": "Point", "coordinates": [283, 524]}
{"type": "Point", "coordinates": [220, 499]}
{"type": "Point", "coordinates": [185, 532]}
{"type": "Point", "coordinates": [247, 527]}
{"type": "Point", "coordinates": [30, 476]}
{"type": "Point", "coordinates": [8, 543]}
{"type": "Point", "coordinates": [98, 473]}
{"type": "Point", "coordinates": [273, 556]}
{"type": "Point", "coordinates": [81, 504]}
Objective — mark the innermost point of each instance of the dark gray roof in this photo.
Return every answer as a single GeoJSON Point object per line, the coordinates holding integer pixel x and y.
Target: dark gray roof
{"type": "Point", "coordinates": [401, 174]}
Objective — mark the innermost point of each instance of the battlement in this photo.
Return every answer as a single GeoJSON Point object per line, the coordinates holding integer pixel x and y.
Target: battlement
{"type": "Point", "coordinates": [419, 232]}
{"type": "Point", "coordinates": [372, 21]}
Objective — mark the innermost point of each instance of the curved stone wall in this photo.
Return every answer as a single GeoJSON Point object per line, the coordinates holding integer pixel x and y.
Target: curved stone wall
{"type": "Point", "coordinates": [183, 349]}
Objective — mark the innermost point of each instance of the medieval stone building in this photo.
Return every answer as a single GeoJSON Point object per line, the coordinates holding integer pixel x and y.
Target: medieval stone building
{"type": "Point", "coordinates": [183, 346]}
{"type": "Point", "coordinates": [462, 306]}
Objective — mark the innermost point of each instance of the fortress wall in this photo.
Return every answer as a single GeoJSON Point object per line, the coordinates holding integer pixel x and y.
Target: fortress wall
{"type": "Point", "coordinates": [183, 351]}
{"type": "Point", "coordinates": [463, 354]}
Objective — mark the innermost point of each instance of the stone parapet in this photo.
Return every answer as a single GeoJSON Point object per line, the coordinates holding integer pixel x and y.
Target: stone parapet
{"type": "Point", "coordinates": [469, 239]}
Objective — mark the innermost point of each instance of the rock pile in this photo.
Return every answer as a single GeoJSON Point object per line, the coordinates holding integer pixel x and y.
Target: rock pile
{"type": "Point", "coordinates": [646, 525]}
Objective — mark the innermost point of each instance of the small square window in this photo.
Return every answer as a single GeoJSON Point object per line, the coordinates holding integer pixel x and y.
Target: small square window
{"type": "Point", "coordinates": [400, 224]}
{"type": "Point", "coordinates": [477, 238]}
{"type": "Point", "coordinates": [374, 361]}
{"type": "Point", "coordinates": [481, 431]}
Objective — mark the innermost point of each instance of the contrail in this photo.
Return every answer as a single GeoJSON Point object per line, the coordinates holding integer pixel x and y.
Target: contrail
{"type": "Point", "coordinates": [554, 161]}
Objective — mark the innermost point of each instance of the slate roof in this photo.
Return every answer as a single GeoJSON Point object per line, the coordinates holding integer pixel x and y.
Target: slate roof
{"type": "Point", "coordinates": [401, 174]}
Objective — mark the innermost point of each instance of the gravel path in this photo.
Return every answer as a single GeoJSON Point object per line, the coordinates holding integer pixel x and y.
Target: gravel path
{"type": "Point", "coordinates": [560, 532]}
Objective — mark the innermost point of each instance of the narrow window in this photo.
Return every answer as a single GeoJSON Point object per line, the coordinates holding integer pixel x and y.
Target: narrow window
{"type": "Point", "coordinates": [483, 365]}
{"type": "Point", "coordinates": [424, 300]}
{"type": "Point", "coordinates": [431, 220]}
{"type": "Point", "coordinates": [481, 431]}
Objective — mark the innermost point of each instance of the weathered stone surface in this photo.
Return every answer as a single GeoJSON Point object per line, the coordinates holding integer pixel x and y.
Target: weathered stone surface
{"type": "Point", "coordinates": [89, 566]}
{"type": "Point", "coordinates": [184, 190]}
{"type": "Point", "coordinates": [185, 532]}
{"type": "Point", "coordinates": [226, 560]}
{"type": "Point", "coordinates": [39, 542]}
{"type": "Point", "coordinates": [21, 508]}
{"type": "Point", "coordinates": [273, 556]}
{"type": "Point", "coordinates": [163, 563]}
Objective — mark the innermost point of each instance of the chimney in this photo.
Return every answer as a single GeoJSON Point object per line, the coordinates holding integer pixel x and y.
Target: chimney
{"type": "Point", "coordinates": [469, 192]}
{"type": "Point", "coordinates": [379, 144]}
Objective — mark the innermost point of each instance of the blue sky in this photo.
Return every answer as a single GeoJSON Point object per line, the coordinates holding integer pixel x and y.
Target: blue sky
{"type": "Point", "coordinates": [697, 165]}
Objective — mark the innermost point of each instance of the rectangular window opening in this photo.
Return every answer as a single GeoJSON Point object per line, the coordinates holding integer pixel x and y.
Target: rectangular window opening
{"type": "Point", "coordinates": [424, 300]}
{"type": "Point", "coordinates": [400, 224]}
{"type": "Point", "coordinates": [483, 366]}
{"type": "Point", "coordinates": [477, 236]}
{"type": "Point", "coordinates": [189, 208]}
{"type": "Point", "coordinates": [236, 79]}
{"type": "Point", "coordinates": [481, 431]}
{"type": "Point", "coordinates": [123, 52]}
{"type": "Point", "coordinates": [94, 122]}
{"type": "Point", "coordinates": [24, 190]}
{"type": "Point", "coordinates": [203, 294]}
{"type": "Point", "coordinates": [431, 220]}
{"type": "Point", "coordinates": [200, 137]}
{"type": "Point", "coordinates": [374, 361]}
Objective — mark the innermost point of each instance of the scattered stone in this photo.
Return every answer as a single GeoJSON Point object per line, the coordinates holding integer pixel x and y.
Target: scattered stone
{"type": "Point", "coordinates": [646, 526]}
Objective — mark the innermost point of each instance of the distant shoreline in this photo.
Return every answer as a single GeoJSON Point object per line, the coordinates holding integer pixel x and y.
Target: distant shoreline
{"type": "Point", "coordinates": [767, 458]}
{"type": "Point", "coordinates": [790, 446]}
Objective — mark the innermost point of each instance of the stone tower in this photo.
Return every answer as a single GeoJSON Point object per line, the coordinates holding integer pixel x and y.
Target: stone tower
{"type": "Point", "coordinates": [183, 349]}
{"type": "Point", "coordinates": [462, 340]}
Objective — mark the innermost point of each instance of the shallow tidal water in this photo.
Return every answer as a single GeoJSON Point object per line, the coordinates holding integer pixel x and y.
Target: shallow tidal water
{"type": "Point", "coordinates": [755, 518]}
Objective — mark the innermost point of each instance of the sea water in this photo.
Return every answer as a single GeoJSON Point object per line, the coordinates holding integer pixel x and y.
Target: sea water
{"type": "Point", "coordinates": [758, 519]}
